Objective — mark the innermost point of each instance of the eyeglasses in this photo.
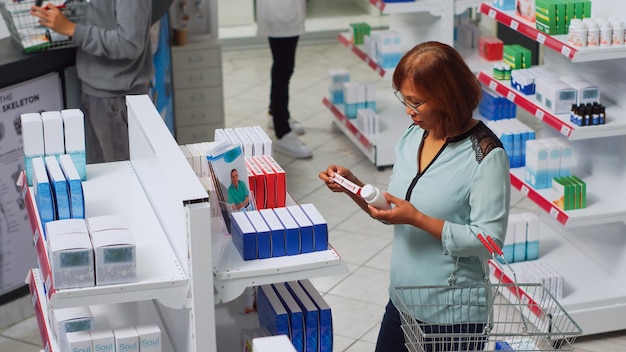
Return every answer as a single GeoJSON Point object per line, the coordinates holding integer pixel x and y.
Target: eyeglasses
{"type": "Point", "coordinates": [413, 107]}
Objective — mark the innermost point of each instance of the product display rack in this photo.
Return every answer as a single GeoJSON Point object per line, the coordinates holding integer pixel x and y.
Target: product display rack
{"type": "Point", "coordinates": [586, 246]}
{"type": "Point", "coordinates": [557, 43]}
{"type": "Point", "coordinates": [614, 126]}
{"type": "Point", "coordinates": [416, 22]}
{"type": "Point", "coordinates": [169, 214]}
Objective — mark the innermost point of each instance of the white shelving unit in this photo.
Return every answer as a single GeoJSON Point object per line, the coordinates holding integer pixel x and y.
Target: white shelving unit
{"type": "Point", "coordinates": [169, 213]}
{"type": "Point", "coordinates": [587, 246]}
{"type": "Point", "coordinates": [416, 22]}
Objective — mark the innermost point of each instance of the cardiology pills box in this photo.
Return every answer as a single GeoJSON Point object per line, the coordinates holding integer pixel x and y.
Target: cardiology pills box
{"type": "Point", "coordinates": [325, 325]}
{"type": "Point", "coordinates": [320, 227]}
{"type": "Point", "coordinates": [306, 228]}
{"type": "Point", "coordinates": [310, 315]}
{"type": "Point", "coordinates": [243, 235]}
{"type": "Point", "coordinates": [292, 231]}
{"type": "Point", "coordinates": [271, 311]}
{"type": "Point", "coordinates": [277, 232]}
{"type": "Point", "coordinates": [296, 318]}
{"type": "Point", "coordinates": [263, 234]}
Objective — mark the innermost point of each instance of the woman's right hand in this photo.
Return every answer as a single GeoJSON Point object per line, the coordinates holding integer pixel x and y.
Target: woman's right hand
{"type": "Point", "coordinates": [331, 170]}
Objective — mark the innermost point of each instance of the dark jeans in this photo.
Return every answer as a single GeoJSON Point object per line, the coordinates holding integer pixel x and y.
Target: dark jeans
{"type": "Point", "coordinates": [391, 336]}
{"type": "Point", "coordinates": [284, 59]}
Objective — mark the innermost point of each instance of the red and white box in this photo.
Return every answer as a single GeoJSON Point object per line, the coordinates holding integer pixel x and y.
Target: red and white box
{"type": "Point", "coordinates": [270, 182]}
{"type": "Point", "coordinates": [281, 181]}
{"type": "Point", "coordinates": [258, 183]}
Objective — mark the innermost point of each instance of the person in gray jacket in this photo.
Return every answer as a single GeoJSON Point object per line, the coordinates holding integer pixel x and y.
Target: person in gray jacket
{"type": "Point", "coordinates": [113, 59]}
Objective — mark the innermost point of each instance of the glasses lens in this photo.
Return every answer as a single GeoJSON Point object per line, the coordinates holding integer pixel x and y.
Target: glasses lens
{"type": "Point", "coordinates": [401, 99]}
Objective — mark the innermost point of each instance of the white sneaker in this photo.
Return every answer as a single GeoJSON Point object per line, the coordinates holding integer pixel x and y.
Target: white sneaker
{"type": "Point", "coordinates": [292, 146]}
{"type": "Point", "coordinates": [295, 125]}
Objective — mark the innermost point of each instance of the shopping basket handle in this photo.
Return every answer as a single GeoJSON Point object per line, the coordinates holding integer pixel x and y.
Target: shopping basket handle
{"type": "Point", "coordinates": [490, 244]}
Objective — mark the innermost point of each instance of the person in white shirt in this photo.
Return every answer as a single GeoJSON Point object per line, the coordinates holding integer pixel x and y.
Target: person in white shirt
{"type": "Point", "coordinates": [282, 21]}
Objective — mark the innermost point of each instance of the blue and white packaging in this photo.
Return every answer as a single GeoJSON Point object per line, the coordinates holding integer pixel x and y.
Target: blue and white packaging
{"type": "Point", "coordinates": [532, 235]}
{"type": "Point", "coordinates": [32, 136]}
{"type": "Point", "coordinates": [78, 341]}
{"type": "Point", "coordinates": [310, 313]}
{"type": "Point", "coordinates": [126, 339]}
{"type": "Point", "coordinates": [292, 231]}
{"type": "Point", "coordinates": [75, 187]}
{"type": "Point", "coordinates": [554, 157]}
{"type": "Point", "coordinates": [350, 99]}
{"type": "Point", "coordinates": [277, 232]}
{"type": "Point", "coordinates": [243, 235]}
{"type": "Point", "coordinates": [114, 249]}
{"type": "Point", "coordinates": [263, 234]}
{"type": "Point", "coordinates": [53, 135]}
{"type": "Point", "coordinates": [336, 78]}
{"type": "Point", "coordinates": [519, 248]}
{"type": "Point", "coordinates": [149, 336]}
{"type": "Point", "coordinates": [537, 164]}
{"type": "Point", "coordinates": [66, 320]}
{"type": "Point", "coordinates": [59, 188]}
{"type": "Point", "coordinates": [523, 81]}
{"type": "Point", "coordinates": [42, 191]}
{"type": "Point", "coordinates": [325, 327]}
{"type": "Point", "coordinates": [271, 311]}
{"type": "Point", "coordinates": [102, 340]}
{"type": "Point", "coordinates": [320, 227]}
{"type": "Point", "coordinates": [74, 132]}
{"type": "Point", "coordinates": [296, 318]}
{"type": "Point", "coordinates": [306, 228]}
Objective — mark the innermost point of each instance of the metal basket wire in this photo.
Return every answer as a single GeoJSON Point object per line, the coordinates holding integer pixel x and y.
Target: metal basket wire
{"type": "Point", "coordinates": [519, 317]}
{"type": "Point", "coordinates": [26, 30]}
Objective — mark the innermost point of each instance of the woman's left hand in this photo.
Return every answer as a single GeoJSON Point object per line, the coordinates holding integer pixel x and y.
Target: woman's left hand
{"type": "Point", "coordinates": [401, 212]}
{"type": "Point", "coordinates": [50, 16]}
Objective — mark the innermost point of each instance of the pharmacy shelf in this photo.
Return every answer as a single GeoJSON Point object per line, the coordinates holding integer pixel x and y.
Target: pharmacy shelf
{"type": "Point", "coordinates": [379, 148]}
{"type": "Point", "coordinates": [604, 205]}
{"type": "Point", "coordinates": [118, 315]}
{"type": "Point", "coordinates": [432, 6]}
{"type": "Point", "coordinates": [346, 40]}
{"type": "Point", "coordinates": [592, 266]}
{"type": "Point", "coordinates": [232, 274]}
{"type": "Point", "coordinates": [557, 43]}
{"type": "Point", "coordinates": [615, 124]}
{"type": "Point", "coordinates": [113, 188]}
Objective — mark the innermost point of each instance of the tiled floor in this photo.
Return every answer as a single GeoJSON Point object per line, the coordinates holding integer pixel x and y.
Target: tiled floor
{"type": "Point", "coordinates": [358, 298]}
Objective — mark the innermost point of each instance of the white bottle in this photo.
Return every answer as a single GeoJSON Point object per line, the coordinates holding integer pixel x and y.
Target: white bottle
{"type": "Point", "coordinates": [593, 33]}
{"type": "Point", "coordinates": [618, 32]}
{"type": "Point", "coordinates": [375, 197]}
{"type": "Point", "coordinates": [606, 32]}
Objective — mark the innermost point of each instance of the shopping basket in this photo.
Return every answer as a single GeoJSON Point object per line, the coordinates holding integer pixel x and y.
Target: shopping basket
{"type": "Point", "coordinates": [26, 30]}
{"type": "Point", "coordinates": [517, 316]}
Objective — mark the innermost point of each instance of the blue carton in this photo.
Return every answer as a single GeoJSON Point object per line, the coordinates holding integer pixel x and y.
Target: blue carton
{"type": "Point", "coordinates": [277, 232]}
{"type": "Point", "coordinates": [306, 228]}
{"type": "Point", "coordinates": [311, 315]}
{"type": "Point", "coordinates": [320, 227]}
{"type": "Point", "coordinates": [243, 235]}
{"type": "Point", "coordinates": [59, 188]}
{"type": "Point", "coordinates": [271, 312]}
{"type": "Point", "coordinates": [296, 318]}
{"type": "Point", "coordinates": [325, 327]}
{"type": "Point", "coordinates": [292, 231]}
{"type": "Point", "coordinates": [263, 242]}
{"type": "Point", "coordinates": [42, 192]}
{"type": "Point", "coordinates": [75, 187]}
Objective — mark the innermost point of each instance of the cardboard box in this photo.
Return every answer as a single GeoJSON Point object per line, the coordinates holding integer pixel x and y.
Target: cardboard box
{"type": "Point", "coordinates": [277, 232]}
{"type": "Point", "coordinates": [271, 312]}
{"type": "Point", "coordinates": [325, 327]}
{"type": "Point", "coordinates": [32, 136]}
{"type": "Point", "coordinates": [306, 228]}
{"type": "Point", "coordinates": [296, 317]}
{"type": "Point", "coordinates": [243, 235]}
{"type": "Point", "coordinates": [59, 188]}
{"type": "Point", "coordinates": [263, 234]}
{"type": "Point", "coordinates": [310, 313]}
{"type": "Point", "coordinates": [320, 227]}
{"type": "Point", "coordinates": [292, 231]}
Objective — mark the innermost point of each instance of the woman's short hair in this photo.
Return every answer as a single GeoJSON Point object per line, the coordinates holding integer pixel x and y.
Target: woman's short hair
{"type": "Point", "coordinates": [438, 71]}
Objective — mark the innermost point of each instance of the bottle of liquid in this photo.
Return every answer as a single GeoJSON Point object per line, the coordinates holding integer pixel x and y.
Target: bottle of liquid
{"type": "Point", "coordinates": [374, 197]}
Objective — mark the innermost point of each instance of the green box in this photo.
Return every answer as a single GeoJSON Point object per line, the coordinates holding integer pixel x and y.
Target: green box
{"type": "Point", "coordinates": [563, 189]}
{"type": "Point", "coordinates": [546, 16]}
{"type": "Point", "coordinates": [527, 56]}
{"type": "Point", "coordinates": [569, 12]}
{"type": "Point", "coordinates": [512, 56]}
{"type": "Point", "coordinates": [583, 191]}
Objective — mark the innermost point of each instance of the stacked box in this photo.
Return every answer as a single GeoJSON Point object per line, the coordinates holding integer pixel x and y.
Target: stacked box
{"type": "Point", "coordinates": [271, 312]}
{"type": "Point", "coordinates": [277, 232]}
{"type": "Point", "coordinates": [114, 248]}
{"type": "Point", "coordinates": [306, 228]}
{"type": "Point", "coordinates": [325, 324]}
{"type": "Point", "coordinates": [243, 235]}
{"type": "Point", "coordinates": [75, 187]}
{"type": "Point", "coordinates": [320, 227]}
{"type": "Point", "coordinates": [32, 136]}
{"type": "Point", "coordinates": [296, 317]}
{"type": "Point", "coordinates": [263, 234]}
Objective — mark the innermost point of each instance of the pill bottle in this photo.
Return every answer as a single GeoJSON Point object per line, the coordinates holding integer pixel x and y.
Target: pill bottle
{"type": "Point", "coordinates": [618, 32]}
{"type": "Point", "coordinates": [606, 32]}
{"type": "Point", "coordinates": [593, 33]}
{"type": "Point", "coordinates": [374, 196]}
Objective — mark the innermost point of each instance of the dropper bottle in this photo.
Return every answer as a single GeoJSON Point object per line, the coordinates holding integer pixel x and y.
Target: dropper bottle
{"type": "Point", "coordinates": [373, 196]}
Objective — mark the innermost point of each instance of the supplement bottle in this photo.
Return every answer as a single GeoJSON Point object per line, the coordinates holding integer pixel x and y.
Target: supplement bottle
{"type": "Point", "coordinates": [375, 197]}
